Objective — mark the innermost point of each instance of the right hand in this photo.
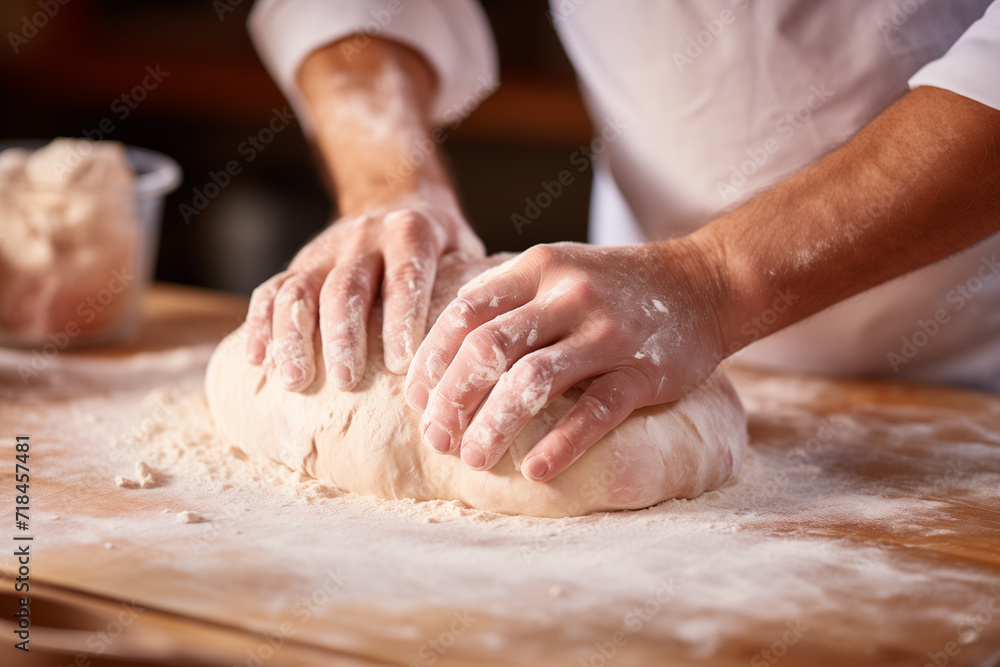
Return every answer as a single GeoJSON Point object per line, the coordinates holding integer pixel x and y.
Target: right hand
{"type": "Point", "coordinates": [334, 279]}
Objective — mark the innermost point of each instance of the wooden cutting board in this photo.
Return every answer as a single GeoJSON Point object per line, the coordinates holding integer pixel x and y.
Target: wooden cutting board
{"type": "Point", "coordinates": [865, 529]}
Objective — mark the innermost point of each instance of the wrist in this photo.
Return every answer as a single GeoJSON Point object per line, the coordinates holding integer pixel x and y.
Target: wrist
{"type": "Point", "coordinates": [758, 294]}
{"type": "Point", "coordinates": [724, 286]}
{"type": "Point", "coordinates": [359, 196]}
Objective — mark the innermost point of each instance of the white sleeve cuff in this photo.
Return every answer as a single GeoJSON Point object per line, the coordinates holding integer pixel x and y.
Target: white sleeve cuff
{"type": "Point", "coordinates": [452, 35]}
{"type": "Point", "coordinates": [971, 67]}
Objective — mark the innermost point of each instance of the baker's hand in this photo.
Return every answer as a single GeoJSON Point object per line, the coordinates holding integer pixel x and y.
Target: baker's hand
{"type": "Point", "coordinates": [633, 326]}
{"type": "Point", "coordinates": [335, 278]}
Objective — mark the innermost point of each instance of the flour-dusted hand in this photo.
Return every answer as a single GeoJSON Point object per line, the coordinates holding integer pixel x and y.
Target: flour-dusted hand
{"type": "Point", "coordinates": [333, 281]}
{"type": "Point", "coordinates": [370, 114]}
{"type": "Point", "coordinates": [633, 326]}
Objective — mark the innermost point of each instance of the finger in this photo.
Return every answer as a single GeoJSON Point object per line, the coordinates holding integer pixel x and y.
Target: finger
{"type": "Point", "coordinates": [486, 354]}
{"type": "Point", "coordinates": [295, 314]}
{"type": "Point", "coordinates": [259, 316]}
{"type": "Point", "coordinates": [318, 255]}
{"type": "Point", "coordinates": [487, 275]}
{"type": "Point", "coordinates": [410, 267]}
{"type": "Point", "coordinates": [603, 406]}
{"type": "Point", "coordinates": [509, 291]}
{"type": "Point", "coordinates": [521, 393]}
{"type": "Point", "coordinates": [345, 303]}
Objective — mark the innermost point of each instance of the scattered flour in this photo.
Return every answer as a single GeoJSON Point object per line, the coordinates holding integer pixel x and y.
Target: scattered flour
{"type": "Point", "coordinates": [145, 478]}
{"type": "Point", "coordinates": [851, 517]}
{"type": "Point", "coordinates": [188, 516]}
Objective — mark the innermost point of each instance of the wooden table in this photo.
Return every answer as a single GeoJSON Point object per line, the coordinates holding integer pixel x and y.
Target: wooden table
{"type": "Point", "coordinates": [887, 497]}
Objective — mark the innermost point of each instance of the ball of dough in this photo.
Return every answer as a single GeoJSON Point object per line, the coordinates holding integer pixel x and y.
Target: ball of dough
{"type": "Point", "coordinates": [367, 441]}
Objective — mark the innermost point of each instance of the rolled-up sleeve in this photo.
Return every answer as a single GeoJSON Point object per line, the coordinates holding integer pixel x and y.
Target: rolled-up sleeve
{"type": "Point", "coordinates": [452, 35]}
{"type": "Point", "coordinates": [971, 67]}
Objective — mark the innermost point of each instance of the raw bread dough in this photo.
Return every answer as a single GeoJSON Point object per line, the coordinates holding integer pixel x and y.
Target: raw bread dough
{"type": "Point", "coordinates": [367, 441]}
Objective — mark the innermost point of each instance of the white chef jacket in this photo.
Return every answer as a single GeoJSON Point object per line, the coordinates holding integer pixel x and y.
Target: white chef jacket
{"type": "Point", "coordinates": [719, 100]}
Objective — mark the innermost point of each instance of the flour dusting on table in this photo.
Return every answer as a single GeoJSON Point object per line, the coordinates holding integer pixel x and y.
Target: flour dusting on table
{"type": "Point", "coordinates": [810, 537]}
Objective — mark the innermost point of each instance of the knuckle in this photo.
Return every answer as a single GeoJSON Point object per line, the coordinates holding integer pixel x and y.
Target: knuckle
{"type": "Point", "coordinates": [608, 329]}
{"type": "Point", "coordinates": [542, 256]}
{"type": "Point", "coordinates": [260, 294]}
{"type": "Point", "coordinates": [432, 366]}
{"type": "Point", "coordinates": [462, 311]}
{"type": "Point", "coordinates": [564, 451]}
{"type": "Point", "coordinates": [352, 279]}
{"type": "Point", "coordinates": [594, 409]}
{"type": "Point", "coordinates": [299, 287]}
{"type": "Point", "coordinates": [258, 311]}
{"type": "Point", "coordinates": [408, 225]}
{"type": "Point", "coordinates": [489, 347]}
{"type": "Point", "coordinates": [640, 378]}
{"type": "Point", "coordinates": [320, 252]}
{"type": "Point", "coordinates": [445, 404]}
{"type": "Point", "coordinates": [267, 289]}
{"type": "Point", "coordinates": [535, 371]}
{"type": "Point", "coordinates": [582, 290]}
{"type": "Point", "coordinates": [496, 428]}
{"type": "Point", "coordinates": [406, 275]}
{"type": "Point", "coordinates": [361, 224]}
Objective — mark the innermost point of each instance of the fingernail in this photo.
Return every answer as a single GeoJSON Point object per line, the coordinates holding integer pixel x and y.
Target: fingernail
{"type": "Point", "coordinates": [536, 468]}
{"type": "Point", "coordinates": [418, 396]}
{"type": "Point", "coordinates": [291, 373]}
{"type": "Point", "coordinates": [437, 438]}
{"type": "Point", "coordinates": [473, 456]}
{"type": "Point", "coordinates": [341, 375]}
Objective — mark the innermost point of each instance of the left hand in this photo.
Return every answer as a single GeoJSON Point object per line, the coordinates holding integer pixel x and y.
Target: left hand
{"type": "Point", "coordinates": [632, 325]}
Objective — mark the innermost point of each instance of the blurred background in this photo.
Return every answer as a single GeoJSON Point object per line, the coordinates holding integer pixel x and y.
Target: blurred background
{"type": "Point", "coordinates": [68, 78]}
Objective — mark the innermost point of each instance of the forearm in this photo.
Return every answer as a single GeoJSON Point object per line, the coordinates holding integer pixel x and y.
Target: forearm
{"type": "Point", "coordinates": [371, 111]}
{"type": "Point", "coordinates": [918, 184]}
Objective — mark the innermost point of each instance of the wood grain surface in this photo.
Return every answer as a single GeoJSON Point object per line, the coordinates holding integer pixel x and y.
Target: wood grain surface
{"type": "Point", "coordinates": [864, 531]}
